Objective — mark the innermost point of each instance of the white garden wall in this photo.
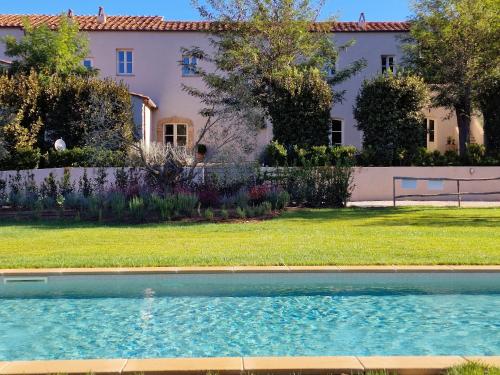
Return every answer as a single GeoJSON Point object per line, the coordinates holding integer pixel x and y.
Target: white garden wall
{"type": "Point", "coordinates": [375, 183]}
{"type": "Point", "coordinates": [371, 183]}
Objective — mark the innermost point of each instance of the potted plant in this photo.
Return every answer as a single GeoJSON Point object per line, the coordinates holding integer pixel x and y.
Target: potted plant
{"type": "Point", "coordinates": [201, 151]}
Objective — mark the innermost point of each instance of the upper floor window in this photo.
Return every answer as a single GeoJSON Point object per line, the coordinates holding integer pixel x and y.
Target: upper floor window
{"type": "Point", "coordinates": [330, 70]}
{"type": "Point", "coordinates": [336, 135]}
{"type": "Point", "coordinates": [431, 130]}
{"type": "Point", "coordinates": [388, 64]}
{"type": "Point", "coordinates": [88, 63]}
{"type": "Point", "coordinates": [176, 135]}
{"type": "Point", "coordinates": [124, 62]}
{"type": "Point", "coordinates": [189, 66]}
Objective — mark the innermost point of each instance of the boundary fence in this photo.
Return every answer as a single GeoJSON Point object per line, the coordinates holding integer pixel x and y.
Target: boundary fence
{"type": "Point", "coordinates": [458, 194]}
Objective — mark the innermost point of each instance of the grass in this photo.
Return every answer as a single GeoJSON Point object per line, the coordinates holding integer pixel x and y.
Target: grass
{"type": "Point", "coordinates": [423, 236]}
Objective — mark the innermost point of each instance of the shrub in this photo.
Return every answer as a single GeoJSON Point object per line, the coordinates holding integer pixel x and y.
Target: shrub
{"type": "Point", "coordinates": [266, 208]}
{"type": "Point", "coordinates": [116, 203]}
{"type": "Point", "coordinates": [85, 157]}
{"type": "Point", "coordinates": [137, 208]}
{"type": "Point", "coordinates": [49, 188]}
{"type": "Point", "coordinates": [3, 192]}
{"type": "Point", "coordinates": [240, 212]}
{"type": "Point", "coordinates": [64, 185]}
{"type": "Point", "coordinates": [209, 214]}
{"type": "Point", "coordinates": [224, 214]}
{"type": "Point", "coordinates": [275, 154]}
{"type": "Point", "coordinates": [21, 158]}
{"type": "Point", "coordinates": [388, 111]}
{"type": "Point", "coordinates": [258, 193]}
{"type": "Point", "coordinates": [185, 204]}
{"type": "Point", "coordinates": [209, 197]}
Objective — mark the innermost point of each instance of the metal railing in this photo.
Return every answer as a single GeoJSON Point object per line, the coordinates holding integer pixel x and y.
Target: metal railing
{"type": "Point", "coordinates": [458, 194]}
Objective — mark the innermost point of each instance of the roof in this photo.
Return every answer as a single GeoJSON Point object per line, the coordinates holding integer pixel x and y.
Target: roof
{"type": "Point", "coordinates": [145, 99]}
{"type": "Point", "coordinates": [157, 23]}
{"type": "Point", "coordinates": [5, 62]}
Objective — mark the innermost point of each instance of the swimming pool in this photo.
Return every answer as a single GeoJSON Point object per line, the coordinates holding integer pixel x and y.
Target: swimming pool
{"type": "Point", "coordinates": [258, 314]}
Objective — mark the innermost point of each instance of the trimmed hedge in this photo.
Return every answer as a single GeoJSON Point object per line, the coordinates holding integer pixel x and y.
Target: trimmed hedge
{"type": "Point", "coordinates": [27, 158]}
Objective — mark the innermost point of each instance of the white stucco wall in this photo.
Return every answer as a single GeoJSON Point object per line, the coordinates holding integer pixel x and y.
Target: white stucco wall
{"type": "Point", "coordinates": [157, 74]}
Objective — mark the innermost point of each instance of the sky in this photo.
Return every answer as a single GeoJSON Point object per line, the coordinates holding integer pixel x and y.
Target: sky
{"type": "Point", "coordinates": [344, 10]}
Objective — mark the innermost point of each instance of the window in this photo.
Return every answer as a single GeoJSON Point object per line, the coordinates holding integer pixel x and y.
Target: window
{"type": "Point", "coordinates": [330, 70]}
{"type": "Point", "coordinates": [189, 66]}
{"type": "Point", "coordinates": [388, 64]}
{"type": "Point", "coordinates": [431, 130]}
{"type": "Point", "coordinates": [124, 62]}
{"type": "Point", "coordinates": [88, 63]}
{"type": "Point", "coordinates": [176, 134]}
{"type": "Point", "coordinates": [336, 137]}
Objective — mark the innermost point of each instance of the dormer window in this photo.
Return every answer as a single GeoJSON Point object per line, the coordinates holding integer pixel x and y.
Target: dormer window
{"type": "Point", "coordinates": [388, 64]}
{"type": "Point", "coordinates": [189, 66]}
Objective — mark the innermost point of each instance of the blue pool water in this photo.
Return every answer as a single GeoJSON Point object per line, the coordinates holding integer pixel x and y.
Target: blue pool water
{"type": "Point", "coordinates": [250, 315]}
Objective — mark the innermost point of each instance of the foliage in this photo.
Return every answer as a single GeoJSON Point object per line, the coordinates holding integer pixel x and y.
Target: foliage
{"type": "Point", "coordinates": [299, 108]}
{"type": "Point", "coordinates": [473, 368]}
{"type": "Point", "coordinates": [209, 214]}
{"type": "Point", "coordinates": [388, 111]}
{"type": "Point", "coordinates": [267, 58]}
{"type": "Point", "coordinates": [48, 51]}
{"type": "Point", "coordinates": [489, 102]}
{"type": "Point", "coordinates": [84, 157]}
{"type": "Point", "coordinates": [37, 110]}
{"type": "Point", "coordinates": [277, 154]}
{"type": "Point", "coordinates": [455, 46]}
{"type": "Point", "coordinates": [21, 158]}
{"type": "Point", "coordinates": [137, 208]}
{"type": "Point", "coordinates": [317, 186]}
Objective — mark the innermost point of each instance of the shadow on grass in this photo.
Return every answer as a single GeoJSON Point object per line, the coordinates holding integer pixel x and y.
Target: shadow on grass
{"type": "Point", "coordinates": [403, 216]}
{"type": "Point", "coordinates": [355, 216]}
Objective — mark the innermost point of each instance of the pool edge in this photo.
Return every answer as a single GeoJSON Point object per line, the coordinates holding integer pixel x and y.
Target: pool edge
{"type": "Point", "coordinates": [237, 365]}
{"type": "Point", "coordinates": [247, 269]}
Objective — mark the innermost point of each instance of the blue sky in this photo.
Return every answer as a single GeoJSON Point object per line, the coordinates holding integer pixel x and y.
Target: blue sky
{"type": "Point", "coordinates": [345, 10]}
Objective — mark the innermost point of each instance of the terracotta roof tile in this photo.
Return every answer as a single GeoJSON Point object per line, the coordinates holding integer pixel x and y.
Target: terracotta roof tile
{"type": "Point", "coordinates": [157, 23]}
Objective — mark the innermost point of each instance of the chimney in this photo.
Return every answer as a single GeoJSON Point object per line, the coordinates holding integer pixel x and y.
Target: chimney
{"type": "Point", "coordinates": [101, 16]}
{"type": "Point", "coordinates": [362, 21]}
{"type": "Point", "coordinates": [70, 13]}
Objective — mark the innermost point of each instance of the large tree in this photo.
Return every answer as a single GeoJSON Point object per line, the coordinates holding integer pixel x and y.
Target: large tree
{"type": "Point", "coordinates": [455, 45]}
{"type": "Point", "coordinates": [60, 51]}
{"type": "Point", "coordinates": [257, 46]}
{"type": "Point", "coordinates": [389, 112]}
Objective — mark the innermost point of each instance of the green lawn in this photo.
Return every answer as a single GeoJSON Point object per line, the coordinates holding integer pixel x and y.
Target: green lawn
{"type": "Point", "coordinates": [307, 237]}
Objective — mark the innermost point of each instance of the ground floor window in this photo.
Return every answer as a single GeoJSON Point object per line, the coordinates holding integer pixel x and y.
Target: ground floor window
{"type": "Point", "coordinates": [431, 130]}
{"type": "Point", "coordinates": [176, 134]}
{"type": "Point", "coordinates": [336, 132]}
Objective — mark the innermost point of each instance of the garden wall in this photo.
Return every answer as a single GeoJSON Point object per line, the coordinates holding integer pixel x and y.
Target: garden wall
{"type": "Point", "coordinates": [375, 183]}
{"type": "Point", "coordinates": [371, 183]}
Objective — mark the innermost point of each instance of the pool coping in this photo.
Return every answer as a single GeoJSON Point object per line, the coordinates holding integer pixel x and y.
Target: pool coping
{"type": "Point", "coordinates": [248, 269]}
{"type": "Point", "coordinates": [404, 365]}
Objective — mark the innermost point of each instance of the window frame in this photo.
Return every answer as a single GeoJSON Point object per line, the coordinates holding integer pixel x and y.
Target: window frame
{"type": "Point", "coordinates": [89, 59]}
{"type": "Point", "coordinates": [175, 134]}
{"type": "Point", "coordinates": [388, 66]}
{"type": "Point", "coordinates": [189, 69]}
{"type": "Point", "coordinates": [342, 122]}
{"type": "Point", "coordinates": [125, 61]}
{"type": "Point", "coordinates": [429, 131]}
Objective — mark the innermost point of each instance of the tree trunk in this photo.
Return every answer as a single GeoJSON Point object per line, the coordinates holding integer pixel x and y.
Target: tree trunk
{"type": "Point", "coordinates": [463, 130]}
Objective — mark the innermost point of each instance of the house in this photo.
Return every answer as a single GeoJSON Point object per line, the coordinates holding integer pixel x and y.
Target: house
{"type": "Point", "coordinates": [145, 53]}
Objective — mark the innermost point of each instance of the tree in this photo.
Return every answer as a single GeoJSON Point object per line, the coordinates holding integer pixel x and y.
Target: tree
{"type": "Point", "coordinates": [455, 46]}
{"type": "Point", "coordinates": [49, 51]}
{"type": "Point", "coordinates": [257, 48]}
{"type": "Point", "coordinates": [389, 113]}
{"type": "Point", "coordinates": [489, 101]}
{"type": "Point", "coordinates": [300, 107]}
{"type": "Point", "coordinates": [36, 110]}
